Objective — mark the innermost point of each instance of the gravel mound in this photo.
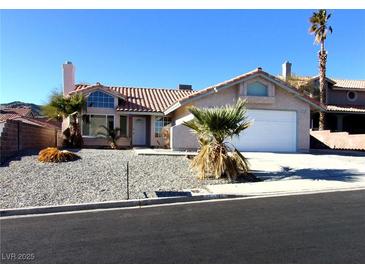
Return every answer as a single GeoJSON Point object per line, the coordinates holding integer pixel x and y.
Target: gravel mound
{"type": "Point", "coordinates": [99, 176]}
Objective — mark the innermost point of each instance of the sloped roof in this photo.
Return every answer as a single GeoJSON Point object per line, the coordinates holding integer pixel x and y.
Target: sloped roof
{"type": "Point", "coordinates": [8, 116]}
{"type": "Point", "coordinates": [22, 111]}
{"type": "Point", "coordinates": [137, 99]}
{"type": "Point", "coordinates": [351, 84]}
{"type": "Point", "coordinates": [241, 77]}
{"type": "Point", "coordinates": [299, 81]}
{"type": "Point", "coordinates": [12, 113]}
{"type": "Point", "coordinates": [43, 122]}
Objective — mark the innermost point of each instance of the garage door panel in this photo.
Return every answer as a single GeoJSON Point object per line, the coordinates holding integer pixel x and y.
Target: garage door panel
{"type": "Point", "coordinates": [271, 130]}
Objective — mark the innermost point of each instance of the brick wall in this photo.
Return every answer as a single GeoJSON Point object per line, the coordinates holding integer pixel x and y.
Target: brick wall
{"type": "Point", "coordinates": [16, 136]}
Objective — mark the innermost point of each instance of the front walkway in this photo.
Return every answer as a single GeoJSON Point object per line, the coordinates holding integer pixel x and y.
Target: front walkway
{"type": "Point", "coordinates": [162, 151]}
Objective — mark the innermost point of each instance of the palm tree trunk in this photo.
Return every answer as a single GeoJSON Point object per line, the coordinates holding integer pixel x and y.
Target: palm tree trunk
{"type": "Point", "coordinates": [76, 138]}
{"type": "Point", "coordinates": [322, 85]}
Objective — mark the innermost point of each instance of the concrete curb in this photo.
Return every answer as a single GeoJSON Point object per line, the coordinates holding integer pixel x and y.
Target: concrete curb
{"type": "Point", "coordinates": [299, 192]}
{"type": "Point", "coordinates": [6, 212]}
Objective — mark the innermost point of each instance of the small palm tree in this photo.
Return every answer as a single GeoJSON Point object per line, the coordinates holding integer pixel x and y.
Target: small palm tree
{"type": "Point", "coordinates": [215, 126]}
{"type": "Point", "coordinates": [319, 27]}
{"type": "Point", "coordinates": [61, 107]}
{"type": "Point", "coordinates": [111, 134]}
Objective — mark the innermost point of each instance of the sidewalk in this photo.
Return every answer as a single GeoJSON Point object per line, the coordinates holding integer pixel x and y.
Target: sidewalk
{"type": "Point", "coordinates": [282, 187]}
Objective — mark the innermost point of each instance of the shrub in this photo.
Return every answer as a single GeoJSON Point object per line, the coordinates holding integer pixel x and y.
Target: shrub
{"type": "Point", "coordinates": [215, 127]}
{"type": "Point", "coordinates": [54, 155]}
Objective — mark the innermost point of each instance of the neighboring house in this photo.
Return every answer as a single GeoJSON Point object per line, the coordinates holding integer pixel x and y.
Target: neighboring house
{"type": "Point", "coordinates": [26, 115]}
{"type": "Point", "coordinates": [15, 112]}
{"type": "Point", "coordinates": [20, 130]}
{"type": "Point", "coordinates": [280, 114]}
{"type": "Point", "coordinates": [345, 101]}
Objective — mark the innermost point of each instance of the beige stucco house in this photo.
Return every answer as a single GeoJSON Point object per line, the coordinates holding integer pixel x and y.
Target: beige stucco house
{"type": "Point", "coordinates": [279, 113]}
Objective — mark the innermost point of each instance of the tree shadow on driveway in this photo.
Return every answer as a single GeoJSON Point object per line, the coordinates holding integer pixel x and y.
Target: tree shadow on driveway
{"type": "Point", "coordinates": [287, 173]}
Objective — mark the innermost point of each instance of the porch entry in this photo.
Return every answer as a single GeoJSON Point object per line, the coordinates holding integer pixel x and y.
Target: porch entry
{"type": "Point", "coordinates": [139, 131]}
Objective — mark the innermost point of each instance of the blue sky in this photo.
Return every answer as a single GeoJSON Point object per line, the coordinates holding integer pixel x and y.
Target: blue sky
{"type": "Point", "coordinates": [162, 48]}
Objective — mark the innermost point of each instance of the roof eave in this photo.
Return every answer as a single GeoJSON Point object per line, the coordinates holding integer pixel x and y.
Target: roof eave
{"type": "Point", "coordinates": [92, 88]}
{"type": "Point", "coordinates": [218, 87]}
{"type": "Point", "coordinates": [348, 88]}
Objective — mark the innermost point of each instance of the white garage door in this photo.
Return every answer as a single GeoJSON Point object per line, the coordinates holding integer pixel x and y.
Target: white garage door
{"type": "Point", "coordinates": [271, 130]}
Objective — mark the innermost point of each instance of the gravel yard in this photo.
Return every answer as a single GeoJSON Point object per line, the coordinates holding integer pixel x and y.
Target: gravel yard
{"type": "Point", "coordinates": [99, 176]}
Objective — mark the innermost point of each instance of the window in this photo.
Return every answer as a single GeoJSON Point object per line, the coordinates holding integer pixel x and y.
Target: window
{"type": "Point", "coordinates": [351, 95]}
{"type": "Point", "coordinates": [257, 89]}
{"type": "Point", "coordinates": [100, 99]}
{"type": "Point", "coordinates": [91, 124]}
{"type": "Point", "coordinates": [123, 126]}
{"type": "Point", "coordinates": [161, 122]}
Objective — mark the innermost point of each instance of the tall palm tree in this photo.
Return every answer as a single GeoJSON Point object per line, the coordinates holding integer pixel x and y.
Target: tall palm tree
{"type": "Point", "coordinates": [61, 107]}
{"type": "Point", "coordinates": [319, 27]}
{"type": "Point", "coordinates": [215, 127]}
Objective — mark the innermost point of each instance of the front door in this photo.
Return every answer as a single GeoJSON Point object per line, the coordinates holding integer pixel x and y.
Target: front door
{"type": "Point", "coordinates": [139, 131]}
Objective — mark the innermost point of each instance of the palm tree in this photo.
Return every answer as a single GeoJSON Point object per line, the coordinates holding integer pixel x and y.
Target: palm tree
{"type": "Point", "coordinates": [61, 107]}
{"type": "Point", "coordinates": [319, 27]}
{"type": "Point", "coordinates": [215, 127]}
{"type": "Point", "coordinates": [111, 134]}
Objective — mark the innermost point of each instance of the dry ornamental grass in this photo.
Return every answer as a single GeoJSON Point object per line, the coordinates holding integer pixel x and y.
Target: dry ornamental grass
{"type": "Point", "coordinates": [54, 155]}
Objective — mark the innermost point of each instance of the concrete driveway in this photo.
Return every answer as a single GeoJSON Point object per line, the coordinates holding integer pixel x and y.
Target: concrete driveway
{"type": "Point", "coordinates": [288, 173]}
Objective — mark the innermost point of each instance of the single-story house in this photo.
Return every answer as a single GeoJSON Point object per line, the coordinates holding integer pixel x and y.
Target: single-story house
{"type": "Point", "coordinates": [280, 113]}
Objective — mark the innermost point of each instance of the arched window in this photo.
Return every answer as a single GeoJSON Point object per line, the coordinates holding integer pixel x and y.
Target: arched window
{"type": "Point", "coordinates": [257, 89]}
{"type": "Point", "coordinates": [99, 99]}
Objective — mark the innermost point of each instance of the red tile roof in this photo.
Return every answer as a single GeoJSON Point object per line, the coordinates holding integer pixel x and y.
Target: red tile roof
{"type": "Point", "coordinates": [142, 99]}
{"type": "Point", "coordinates": [25, 115]}
{"type": "Point", "coordinates": [20, 111]}
{"type": "Point", "coordinates": [8, 116]}
{"type": "Point", "coordinates": [33, 121]}
{"type": "Point", "coordinates": [11, 113]}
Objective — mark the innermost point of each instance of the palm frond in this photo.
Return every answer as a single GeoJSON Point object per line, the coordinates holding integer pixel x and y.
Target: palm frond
{"type": "Point", "coordinates": [213, 126]}
{"type": "Point", "coordinates": [111, 134]}
{"type": "Point", "coordinates": [319, 26]}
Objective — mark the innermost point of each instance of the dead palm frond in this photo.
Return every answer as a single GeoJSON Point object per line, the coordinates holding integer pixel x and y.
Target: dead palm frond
{"type": "Point", "coordinates": [53, 155]}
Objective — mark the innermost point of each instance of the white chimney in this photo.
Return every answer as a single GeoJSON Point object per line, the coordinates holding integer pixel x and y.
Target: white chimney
{"type": "Point", "coordinates": [68, 77]}
{"type": "Point", "coordinates": [286, 70]}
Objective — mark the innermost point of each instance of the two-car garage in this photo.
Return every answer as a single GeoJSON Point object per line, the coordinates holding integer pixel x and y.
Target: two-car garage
{"type": "Point", "coordinates": [271, 130]}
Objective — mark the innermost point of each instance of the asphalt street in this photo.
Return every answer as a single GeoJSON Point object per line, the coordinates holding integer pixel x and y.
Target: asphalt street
{"type": "Point", "coordinates": [316, 228]}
